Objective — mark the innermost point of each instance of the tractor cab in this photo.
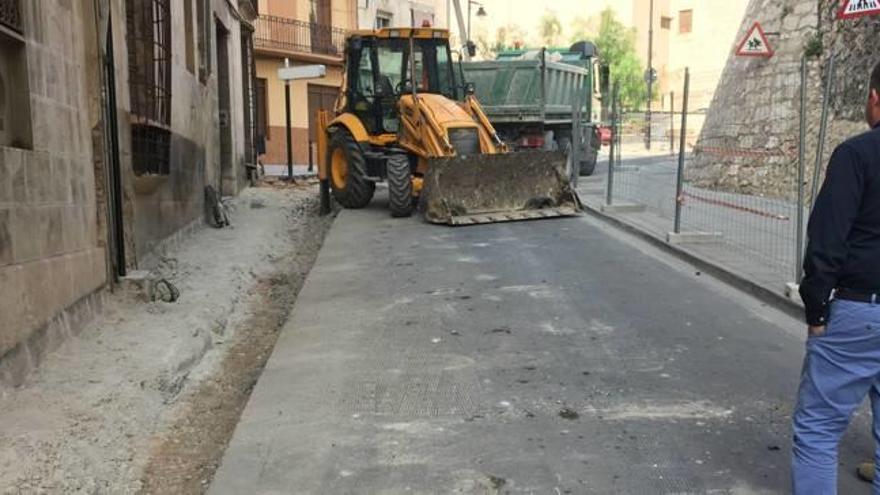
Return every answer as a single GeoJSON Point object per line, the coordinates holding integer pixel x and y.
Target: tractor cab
{"type": "Point", "coordinates": [385, 64]}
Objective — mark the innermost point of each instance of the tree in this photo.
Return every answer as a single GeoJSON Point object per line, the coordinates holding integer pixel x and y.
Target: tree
{"type": "Point", "coordinates": [583, 29]}
{"type": "Point", "coordinates": [550, 29]}
{"type": "Point", "coordinates": [508, 37]}
{"type": "Point", "coordinates": [617, 48]}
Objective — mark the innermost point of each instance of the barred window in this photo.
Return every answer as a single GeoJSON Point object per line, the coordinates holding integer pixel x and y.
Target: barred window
{"type": "Point", "coordinates": [10, 15]}
{"type": "Point", "coordinates": [206, 29]}
{"type": "Point", "coordinates": [149, 59]}
{"type": "Point", "coordinates": [148, 23]}
{"type": "Point", "coordinates": [15, 114]}
{"type": "Point", "coordinates": [150, 150]}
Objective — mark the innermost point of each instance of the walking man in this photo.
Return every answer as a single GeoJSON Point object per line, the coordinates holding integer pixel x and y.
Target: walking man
{"type": "Point", "coordinates": [841, 293]}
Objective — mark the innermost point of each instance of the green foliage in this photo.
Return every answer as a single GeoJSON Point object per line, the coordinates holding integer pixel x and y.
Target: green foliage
{"type": "Point", "coordinates": [582, 29]}
{"type": "Point", "coordinates": [617, 49]}
{"type": "Point", "coordinates": [507, 37]}
{"type": "Point", "coordinates": [550, 29]}
{"type": "Point", "coordinates": [814, 46]}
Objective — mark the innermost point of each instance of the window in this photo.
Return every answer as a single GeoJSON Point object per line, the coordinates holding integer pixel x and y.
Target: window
{"type": "Point", "coordinates": [15, 115]}
{"type": "Point", "coordinates": [666, 22]}
{"type": "Point", "coordinates": [10, 15]}
{"type": "Point", "coordinates": [150, 150]}
{"type": "Point", "coordinates": [205, 33]}
{"type": "Point", "coordinates": [148, 26]}
{"type": "Point", "coordinates": [248, 71]}
{"type": "Point", "coordinates": [433, 68]}
{"type": "Point", "coordinates": [188, 33]}
{"type": "Point", "coordinates": [383, 20]}
{"type": "Point", "coordinates": [262, 109]}
{"type": "Point", "coordinates": [685, 21]}
{"type": "Point", "coordinates": [365, 87]}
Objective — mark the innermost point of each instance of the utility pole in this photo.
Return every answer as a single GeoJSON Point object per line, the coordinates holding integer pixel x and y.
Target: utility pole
{"type": "Point", "coordinates": [650, 77]}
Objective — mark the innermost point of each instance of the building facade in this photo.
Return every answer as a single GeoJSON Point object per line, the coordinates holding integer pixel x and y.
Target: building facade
{"type": "Point", "coordinates": [373, 14]}
{"type": "Point", "coordinates": [305, 32]}
{"type": "Point", "coordinates": [115, 116]}
{"type": "Point", "coordinates": [694, 34]}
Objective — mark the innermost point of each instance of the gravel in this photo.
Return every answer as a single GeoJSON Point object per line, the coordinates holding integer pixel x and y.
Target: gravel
{"type": "Point", "coordinates": [146, 397]}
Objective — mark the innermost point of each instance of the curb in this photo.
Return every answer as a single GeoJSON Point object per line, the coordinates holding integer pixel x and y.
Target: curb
{"type": "Point", "coordinates": [718, 271]}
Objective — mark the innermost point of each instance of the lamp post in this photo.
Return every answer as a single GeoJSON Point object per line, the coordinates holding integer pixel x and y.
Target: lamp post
{"type": "Point", "coordinates": [481, 12]}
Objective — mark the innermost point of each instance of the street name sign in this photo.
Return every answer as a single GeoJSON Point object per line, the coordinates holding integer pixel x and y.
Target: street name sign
{"type": "Point", "coordinates": [858, 8]}
{"type": "Point", "coordinates": [755, 43]}
{"type": "Point", "coordinates": [302, 72]}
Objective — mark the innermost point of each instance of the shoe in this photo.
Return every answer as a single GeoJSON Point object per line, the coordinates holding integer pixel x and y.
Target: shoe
{"type": "Point", "coordinates": [865, 471]}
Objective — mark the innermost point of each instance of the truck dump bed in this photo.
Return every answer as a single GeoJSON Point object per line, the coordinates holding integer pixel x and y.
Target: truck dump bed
{"type": "Point", "coordinates": [512, 91]}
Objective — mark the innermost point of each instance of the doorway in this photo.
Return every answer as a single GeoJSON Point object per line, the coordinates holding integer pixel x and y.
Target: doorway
{"type": "Point", "coordinates": [115, 223]}
{"type": "Point", "coordinates": [228, 182]}
{"type": "Point", "coordinates": [320, 98]}
{"type": "Point", "coordinates": [321, 30]}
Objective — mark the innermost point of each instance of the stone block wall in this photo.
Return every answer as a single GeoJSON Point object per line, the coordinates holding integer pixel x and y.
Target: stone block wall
{"type": "Point", "coordinates": [53, 190]}
{"type": "Point", "coordinates": [750, 139]}
{"type": "Point", "coordinates": [156, 207]}
{"type": "Point", "coordinates": [52, 256]}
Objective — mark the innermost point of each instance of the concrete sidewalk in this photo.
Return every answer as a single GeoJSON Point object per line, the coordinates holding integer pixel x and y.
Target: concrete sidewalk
{"type": "Point", "coordinates": [556, 356]}
{"type": "Point", "coordinates": [752, 245]}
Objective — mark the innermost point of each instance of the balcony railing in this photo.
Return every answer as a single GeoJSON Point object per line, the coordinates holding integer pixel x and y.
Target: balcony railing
{"type": "Point", "coordinates": [281, 33]}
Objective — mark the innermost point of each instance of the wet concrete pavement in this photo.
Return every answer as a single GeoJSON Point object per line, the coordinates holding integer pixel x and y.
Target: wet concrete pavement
{"type": "Point", "coordinates": [555, 356]}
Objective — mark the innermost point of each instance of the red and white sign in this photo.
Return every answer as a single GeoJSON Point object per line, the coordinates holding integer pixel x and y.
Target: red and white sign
{"type": "Point", "coordinates": [858, 8]}
{"type": "Point", "coordinates": [755, 43]}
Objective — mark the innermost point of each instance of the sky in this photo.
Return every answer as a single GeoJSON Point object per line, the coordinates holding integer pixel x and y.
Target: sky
{"type": "Point", "coordinates": [527, 13]}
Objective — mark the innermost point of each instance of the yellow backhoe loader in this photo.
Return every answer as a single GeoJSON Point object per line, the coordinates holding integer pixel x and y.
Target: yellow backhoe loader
{"type": "Point", "coordinates": [405, 117]}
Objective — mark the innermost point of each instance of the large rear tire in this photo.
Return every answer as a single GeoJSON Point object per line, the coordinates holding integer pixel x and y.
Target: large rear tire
{"type": "Point", "coordinates": [348, 178]}
{"type": "Point", "coordinates": [400, 188]}
{"type": "Point", "coordinates": [588, 166]}
{"type": "Point", "coordinates": [564, 145]}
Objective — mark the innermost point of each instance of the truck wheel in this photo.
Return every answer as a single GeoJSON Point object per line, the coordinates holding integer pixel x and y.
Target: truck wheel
{"type": "Point", "coordinates": [400, 190]}
{"type": "Point", "coordinates": [588, 166]}
{"type": "Point", "coordinates": [564, 145]}
{"type": "Point", "coordinates": [348, 179]}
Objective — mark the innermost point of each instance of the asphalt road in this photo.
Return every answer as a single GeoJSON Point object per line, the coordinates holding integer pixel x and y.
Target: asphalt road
{"type": "Point", "coordinates": [554, 356]}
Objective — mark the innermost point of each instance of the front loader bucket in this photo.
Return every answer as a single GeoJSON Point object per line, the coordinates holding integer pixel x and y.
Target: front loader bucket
{"type": "Point", "coordinates": [503, 187]}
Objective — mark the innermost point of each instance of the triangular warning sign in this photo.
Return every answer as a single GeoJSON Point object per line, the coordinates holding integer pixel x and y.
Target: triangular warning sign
{"type": "Point", "coordinates": [755, 43]}
{"type": "Point", "coordinates": [858, 8]}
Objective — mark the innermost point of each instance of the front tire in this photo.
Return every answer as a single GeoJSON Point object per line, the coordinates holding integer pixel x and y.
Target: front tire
{"type": "Point", "coordinates": [400, 188]}
{"type": "Point", "coordinates": [348, 178]}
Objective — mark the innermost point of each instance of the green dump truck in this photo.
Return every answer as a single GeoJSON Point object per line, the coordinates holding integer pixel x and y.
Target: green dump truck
{"type": "Point", "coordinates": [528, 96]}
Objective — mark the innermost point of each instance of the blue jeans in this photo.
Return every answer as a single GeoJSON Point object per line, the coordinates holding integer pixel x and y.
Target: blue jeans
{"type": "Point", "coordinates": [841, 367]}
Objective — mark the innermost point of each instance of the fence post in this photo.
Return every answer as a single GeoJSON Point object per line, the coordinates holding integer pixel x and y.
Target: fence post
{"type": "Point", "coordinates": [823, 127]}
{"type": "Point", "coordinates": [672, 123]}
{"type": "Point", "coordinates": [576, 146]}
{"type": "Point", "coordinates": [679, 183]}
{"type": "Point", "coordinates": [609, 193]}
{"type": "Point", "coordinates": [799, 238]}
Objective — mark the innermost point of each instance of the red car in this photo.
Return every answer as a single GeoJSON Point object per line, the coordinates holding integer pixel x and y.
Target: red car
{"type": "Point", "coordinates": [605, 135]}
